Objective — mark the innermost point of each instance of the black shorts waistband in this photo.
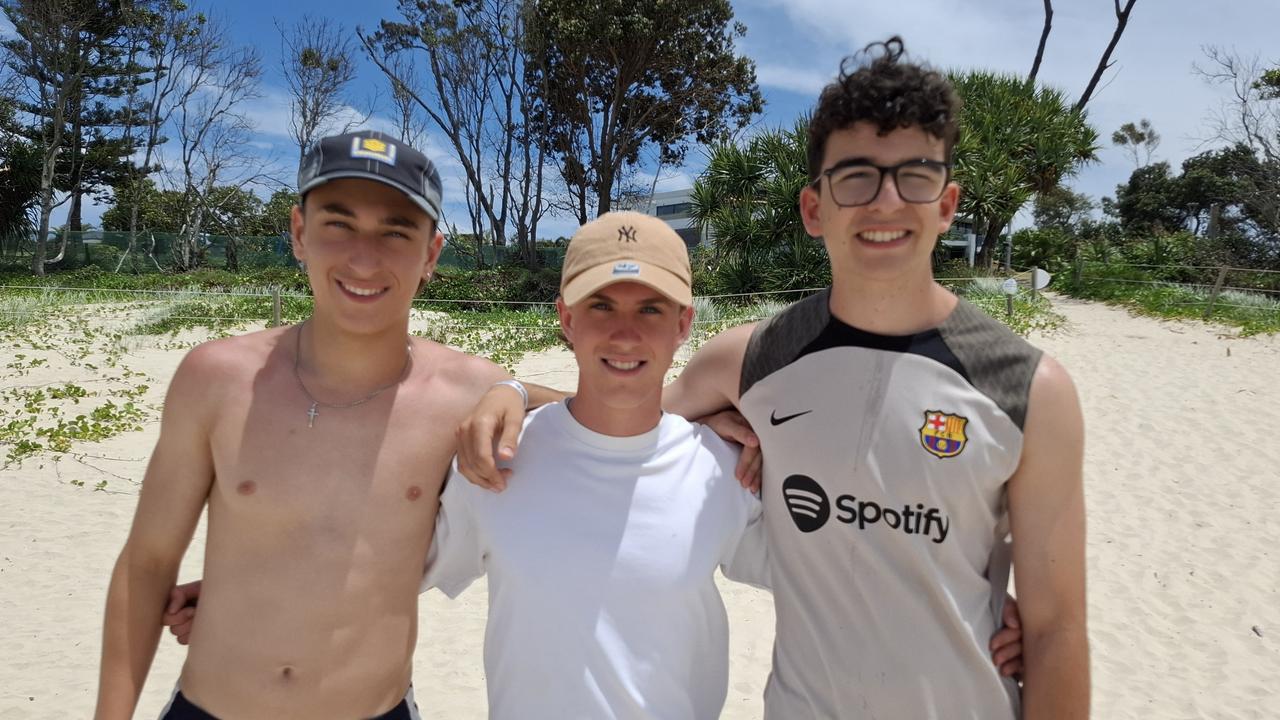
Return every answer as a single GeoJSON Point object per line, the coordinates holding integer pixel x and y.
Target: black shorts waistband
{"type": "Point", "coordinates": [180, 708]}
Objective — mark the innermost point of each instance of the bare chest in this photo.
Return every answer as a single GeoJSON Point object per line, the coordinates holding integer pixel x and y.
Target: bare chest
{"type": "Point", "coordinates": [373, 468]}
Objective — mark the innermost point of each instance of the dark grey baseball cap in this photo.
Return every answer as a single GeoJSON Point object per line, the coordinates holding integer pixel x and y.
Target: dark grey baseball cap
{"type": "Point", "coordinates": [372, 155]}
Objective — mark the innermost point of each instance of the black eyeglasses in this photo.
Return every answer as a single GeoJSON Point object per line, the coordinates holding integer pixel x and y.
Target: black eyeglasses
{"type": "Point", "coordinates": [858, 182]}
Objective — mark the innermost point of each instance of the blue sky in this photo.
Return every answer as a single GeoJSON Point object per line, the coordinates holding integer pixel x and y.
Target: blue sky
{"type": "Point", "coordinates": [797, 46]}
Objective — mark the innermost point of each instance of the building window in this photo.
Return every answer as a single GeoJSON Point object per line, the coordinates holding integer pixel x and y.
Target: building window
{"type": "Point", "coordinates": [691, 236]}
{"type": "Point", "coordinates": [676, 209]}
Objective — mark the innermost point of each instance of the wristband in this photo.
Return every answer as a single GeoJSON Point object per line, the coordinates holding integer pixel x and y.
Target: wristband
{"type": "Point", "coordinates": [518, 387]}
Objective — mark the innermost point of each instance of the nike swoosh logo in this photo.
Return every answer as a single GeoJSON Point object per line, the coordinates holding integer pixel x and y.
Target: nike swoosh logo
{"type": "Point", "coordinates": [776, 421]}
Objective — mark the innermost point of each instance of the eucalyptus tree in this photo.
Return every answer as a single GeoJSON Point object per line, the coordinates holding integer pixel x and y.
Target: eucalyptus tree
{"type": "Point", "coordinates": [618, 76]}
{"type": "Point", "coordinates": [1139, 141]}
{"type": "Point", "coordinates": [212, 131]}
{"type": "Point", "coordinates": [162, 39]}
{"type": "Point", "coordinates": [1249, 116]}
{"type": "Point", "coordinates": [474, 89]}
{"type": "Point", "coordinates": [317, 56]}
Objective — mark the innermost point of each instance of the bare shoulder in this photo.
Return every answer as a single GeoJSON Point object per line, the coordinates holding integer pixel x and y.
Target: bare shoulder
{"type": "Point", "coordinates": [211, 367]}
{"type": "Point", "coordinates": [459, 371]}
{"type": "Point", "coordinates": [1054, 428]}
{"type": "Point", "coordinates": [1052, 388]}
{"type": "Point", "coordinates": [732, 342]}
{"type": "Point", "coordinates": [709, 383]}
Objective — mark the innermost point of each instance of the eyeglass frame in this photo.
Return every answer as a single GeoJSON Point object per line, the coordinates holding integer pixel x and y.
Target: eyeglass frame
{"type": "Point", "coordinates": [883, 169]}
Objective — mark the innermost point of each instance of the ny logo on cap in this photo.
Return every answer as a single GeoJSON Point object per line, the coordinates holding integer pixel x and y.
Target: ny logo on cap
{"type": "Point", "coordinates": [627, 233]}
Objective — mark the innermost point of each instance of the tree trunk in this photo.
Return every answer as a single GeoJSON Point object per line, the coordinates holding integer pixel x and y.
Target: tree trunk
{"type": "Point", "coordinates": [74, 221]}
{"type": "Point", "coordinates": [991, 242]}
{"type": "Point", "coordinates": [133, 237]}
{"type": "Point", "coordinates": [46, 211]}
{"type": "Point", "coordinates": [604, 189]}
{"type": "Point", "coordinates": [1122, 19]}
{"type": "Point", "coordinates": [1044, 40]}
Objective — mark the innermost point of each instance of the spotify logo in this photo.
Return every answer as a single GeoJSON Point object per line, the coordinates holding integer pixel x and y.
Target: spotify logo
{"type": "Point", "coordinates": [807, 502]}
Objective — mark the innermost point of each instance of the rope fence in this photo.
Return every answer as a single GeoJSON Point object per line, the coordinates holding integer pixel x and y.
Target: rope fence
{"type": "Point", "coordinates": [149, 301]}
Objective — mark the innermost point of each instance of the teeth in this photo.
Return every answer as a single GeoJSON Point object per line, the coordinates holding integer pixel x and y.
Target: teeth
{"type": "Point", "coordinates": [883, 236]}
{"type": "Point", "coordinates": [360, 291]}
{"type": "Point", "coordinates": [618, 364]}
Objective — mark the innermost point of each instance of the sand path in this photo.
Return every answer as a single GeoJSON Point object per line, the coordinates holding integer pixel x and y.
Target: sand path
{"type": "Point", "coordinates": [1183, 490]}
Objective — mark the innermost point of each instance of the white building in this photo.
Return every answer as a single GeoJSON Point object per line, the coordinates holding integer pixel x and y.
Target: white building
{"type": "Point", "coordinates": [676, 208]}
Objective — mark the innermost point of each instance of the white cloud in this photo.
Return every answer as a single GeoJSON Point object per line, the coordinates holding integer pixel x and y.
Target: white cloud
{"type": "Point", "coordinates": [1151, 76]}
{"type": "Point", "coordinates": [802, 81]}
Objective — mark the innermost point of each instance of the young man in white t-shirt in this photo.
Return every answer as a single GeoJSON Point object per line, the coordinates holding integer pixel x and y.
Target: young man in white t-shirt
{"type": "Point", "coordinates": [601, 560]}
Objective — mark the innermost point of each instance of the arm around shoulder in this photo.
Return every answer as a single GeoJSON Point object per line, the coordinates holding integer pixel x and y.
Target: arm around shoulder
{"type": "Point", "coordinates": [709, 383]}
{"type": "Point", "coordinates": [178, 477]}
{"type": "Point", "coordinates": [1047, 511]}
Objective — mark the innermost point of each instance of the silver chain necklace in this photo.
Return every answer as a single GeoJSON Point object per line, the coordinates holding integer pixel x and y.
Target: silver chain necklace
{"type": "Point", "coordinates": [312, 413]}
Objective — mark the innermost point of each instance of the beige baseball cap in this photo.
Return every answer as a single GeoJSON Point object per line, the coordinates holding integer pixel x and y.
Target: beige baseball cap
{"type": "Point", "coordinates": [626, 246]}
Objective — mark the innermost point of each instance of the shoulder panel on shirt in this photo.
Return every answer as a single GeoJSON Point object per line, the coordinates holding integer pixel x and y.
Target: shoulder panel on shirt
{"type": "Point", "coordinates": [996, 360]}
{"type": "Point", "coordinates": [777, 341]}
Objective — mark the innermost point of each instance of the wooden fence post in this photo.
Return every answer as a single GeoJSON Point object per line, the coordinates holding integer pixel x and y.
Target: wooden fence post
{"type": "Point", "coordinates": [275, 306]}
{"type": "Point", "coordinates": [1217, 288]}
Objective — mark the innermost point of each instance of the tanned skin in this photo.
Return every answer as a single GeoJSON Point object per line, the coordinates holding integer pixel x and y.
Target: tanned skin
{"type": "Point", "coordinates": [317, 535]}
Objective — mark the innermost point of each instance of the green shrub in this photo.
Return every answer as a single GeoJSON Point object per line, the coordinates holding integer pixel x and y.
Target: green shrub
{"type": "Point", "coordinates": [1050, 249]}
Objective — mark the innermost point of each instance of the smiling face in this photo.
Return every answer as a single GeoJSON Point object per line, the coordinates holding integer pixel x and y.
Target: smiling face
{"type": "Point", "coordinates": [888, 238]}
{"type": "Point", "coordinates": [367, 249]}
{"type": "Point", "coordinates": [624, 337]}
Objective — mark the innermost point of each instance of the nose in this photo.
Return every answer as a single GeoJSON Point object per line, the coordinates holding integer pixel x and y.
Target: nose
{"type": "Point", "coordinates": [624, 330]}
{"type": "Point", "coordinates": [887, 198]}
{"type": "Point", "coordinates": [362, 253]}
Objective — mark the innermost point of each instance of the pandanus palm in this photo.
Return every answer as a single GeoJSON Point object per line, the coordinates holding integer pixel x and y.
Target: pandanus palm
{"type": "Point", "coordinates": [1015, 140]}
{"type": "Point", "coordinates": [747, 200]}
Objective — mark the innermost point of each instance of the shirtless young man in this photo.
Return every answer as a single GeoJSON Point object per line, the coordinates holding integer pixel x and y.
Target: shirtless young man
{"type": "Point", "coordinates": [601, 560]}
{"type": "Point", "coordinates": [308, 445]}
{"type": "Point", "coordinates": [905, 435]}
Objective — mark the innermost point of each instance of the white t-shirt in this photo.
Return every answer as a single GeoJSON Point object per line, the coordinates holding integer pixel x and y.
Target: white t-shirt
{"type": "Point", "coordinates": [600, 555]}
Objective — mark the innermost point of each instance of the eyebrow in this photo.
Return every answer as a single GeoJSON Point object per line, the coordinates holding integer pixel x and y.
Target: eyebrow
{"type": "Point", "coordinates": [337, 208]}
{"type": "Point", "coordinates": [658, 299]}
{"type": "Point", "coordinates": [860, 160]}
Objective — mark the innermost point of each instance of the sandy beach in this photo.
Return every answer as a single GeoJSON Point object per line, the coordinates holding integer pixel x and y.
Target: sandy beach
{"type": "Point", "coordinates": [1182, 484]}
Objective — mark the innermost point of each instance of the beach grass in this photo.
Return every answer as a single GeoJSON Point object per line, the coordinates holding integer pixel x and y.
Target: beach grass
{"type": "Point", "coordinates": [1253, 312]}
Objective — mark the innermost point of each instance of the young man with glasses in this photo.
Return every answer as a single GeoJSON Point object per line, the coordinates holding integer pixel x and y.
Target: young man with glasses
{"type": "Point", "coordinates": [905, 435]}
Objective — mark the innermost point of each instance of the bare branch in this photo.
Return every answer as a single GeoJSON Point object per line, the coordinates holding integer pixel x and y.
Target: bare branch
{"type": "Point", "coordinates": [1044, 40]}
{"type": "Point", "coordinates": [318, 60]}
{"type": "Point", "coordinates": [1122, 20]}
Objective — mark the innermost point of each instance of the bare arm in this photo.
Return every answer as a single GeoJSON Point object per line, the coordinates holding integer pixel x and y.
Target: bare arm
{"type": "Point", "coordinates": [709, 383]}
{"type": "Point", "coordinates": [492, 431]}
{"type": "Point", "coordinates": [1046, 507]}
{"type": "Point", "coordinates": [173, 494]}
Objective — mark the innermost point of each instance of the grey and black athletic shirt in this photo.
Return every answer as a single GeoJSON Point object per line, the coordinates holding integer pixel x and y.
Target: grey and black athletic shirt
{"type": "Point", "coordinates": [885, 463]}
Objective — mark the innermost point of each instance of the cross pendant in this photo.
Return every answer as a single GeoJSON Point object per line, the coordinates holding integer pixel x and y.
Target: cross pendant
{"type": "Point", "coordinates": [311, 415]}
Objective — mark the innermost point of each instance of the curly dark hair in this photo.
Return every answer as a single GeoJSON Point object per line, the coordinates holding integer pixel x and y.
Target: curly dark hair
{"type": "Point", "coordinates": [888, 92]}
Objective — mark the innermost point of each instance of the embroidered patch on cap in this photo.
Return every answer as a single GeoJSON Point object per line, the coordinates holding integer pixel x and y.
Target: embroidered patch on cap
{"type": "Point", "coordinates": [626, 268]}
{"type": "Point", "coordinates": [373, 149]}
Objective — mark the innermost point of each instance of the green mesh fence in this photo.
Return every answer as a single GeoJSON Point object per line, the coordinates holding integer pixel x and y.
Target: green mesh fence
{"type": "Point", "coordinates": [154, 252]}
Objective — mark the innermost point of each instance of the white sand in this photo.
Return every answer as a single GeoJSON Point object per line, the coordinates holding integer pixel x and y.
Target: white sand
{"type": "Point", "coordinates": [1183, 483]}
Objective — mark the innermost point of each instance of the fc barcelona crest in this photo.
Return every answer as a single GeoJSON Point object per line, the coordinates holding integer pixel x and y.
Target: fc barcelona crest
{"type": "Point", "coordinates": [943, 433]}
